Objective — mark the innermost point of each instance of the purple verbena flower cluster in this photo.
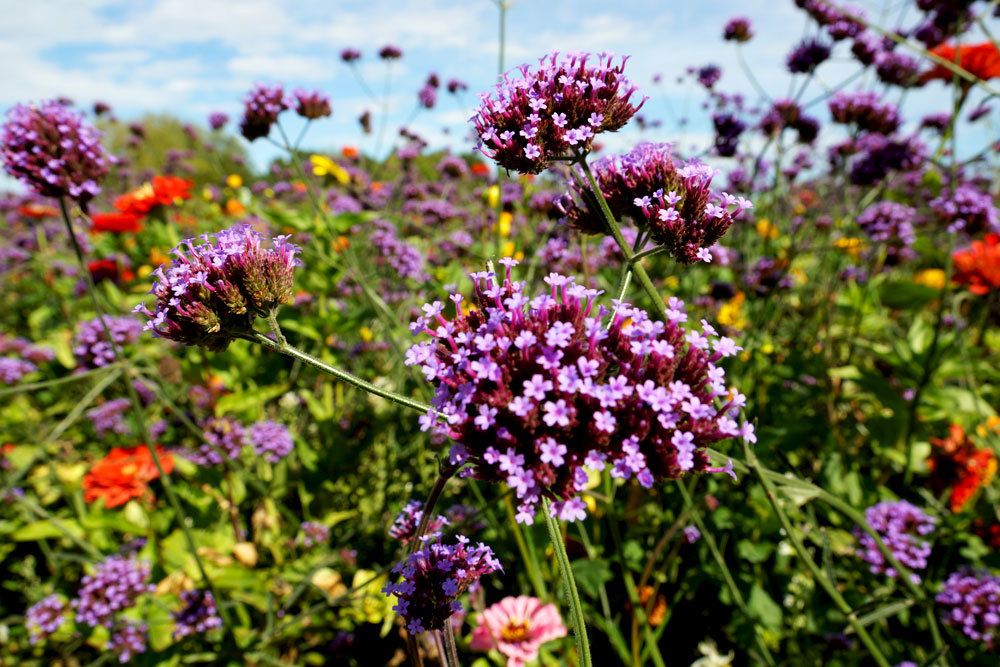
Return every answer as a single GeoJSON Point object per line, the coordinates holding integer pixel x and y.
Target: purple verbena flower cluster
{"type": "Point", "coordinates": [216, 289]}
{"type": "Point", "coordinates": [128, 640]}
{"type": "Point", "coordinates": [45, 617]}
{"type": "Point", "coordinates": [890, 224]}
{"type": "Point", "coordinates": [403, 258]}
{"type": "Point", "coordinates": [554, 110]}
{"type": "Point", "coordinates": [91, 346]}
{"type": "Point", "coordinates": [109, 417]}
{"type": "Point", "coordinates": [433, 578]}
{"type": "Point", "coordinates": [113, 587]}
{"type": "Point", "coordinates": [878, 155]}
{"type": "Point", "coordinates": [897, 69]}
{"type": "Point", "coordinates": [534, 392]}
{"type": "Point", "coordinates": [787, 114]}
{"type": "Point", "coordinates": [865, 111]}
{"type": "Point", "coordinates": [728, 129]}
{"type": "Point", "coordinates": [262, 106]}
{"type": "Point", "coordinates": [971, 602]}
{"type": "Point", "coordinates": [968, 209]}
{"type": "Point", "coordinates": [197, 615]}
{"type": "Point", "coordinates": [738, 29]}
{"type": "Point", "coordinates": [902, 527]}
{"type": "Point", "coordinates": [314, 533]}
{"type": "Point", "coordinates": [271, 440]}
{"type": "Point", "coordinates": [311, 105]}
{"type": "Point", "coordinates": [807, 56]}
{"type": "Point", "coordinates": [224, 439]}
{"type": "Point", "coordinates": [217, 120]}
{"type": "Point", "coordinates": [404, 526]}
{"type": "Point", "coordinates": [53, 150]}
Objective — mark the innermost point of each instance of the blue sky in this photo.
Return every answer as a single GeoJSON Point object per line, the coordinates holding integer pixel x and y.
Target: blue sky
{"type": "Point", "coordinates": [191, 57]}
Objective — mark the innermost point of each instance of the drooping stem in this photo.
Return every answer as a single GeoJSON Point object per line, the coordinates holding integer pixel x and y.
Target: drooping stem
{"type": "Point", "coordinates": [569, 583]}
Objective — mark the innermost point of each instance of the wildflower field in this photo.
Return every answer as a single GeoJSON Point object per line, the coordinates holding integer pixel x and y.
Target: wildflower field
{"type": "Point", "coordinates": [562, 390]}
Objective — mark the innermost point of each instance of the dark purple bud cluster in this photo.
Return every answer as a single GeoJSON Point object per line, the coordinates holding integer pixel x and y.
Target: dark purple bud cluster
{"type": "Point", "coordinates": [968, 209]}
{"type": "Point", "coordinates": [839, 23]}
{"type": "Point", "coordinates": [971, 604]}
{"type": "Point", "coordinates": [865, 111]}
{"type": "Point", "coordinates": [807, 56]}
{"type": "Point", "coordinates": [198, 615]}
{"type": "Point", "coordinates": [262, 107]}
{"type": "Point", "coordinates": [91, 346]}
{"type": "Point", "coordinates": [51, 149]}
{"type": "Point", "coordinates": [215, 290]}
{"type": "Point", "coordinates": [350, 56]}
{"type": "Point", "coordinates": [897, 69]}
{"type": "Point", "coordinates": [787, 114]}
{"type": "Point", "coordinates": [902, 527]}
{"type": "Point", "coordinates": [390, 52]}
{"type": "Point", "coordinates": [312, 105]}
{"type": "Point", "coordinates": [728, 129]}
{"type": "Point", "coordinates": [404, 526]}
{"type": "Point", "coordinates": [878, 155]}
{"type": "Point", "coordinates": [536, 392]}
{"type": "Point", "coordinates": [553, 110]}
{"type": "Point", "coordinates": [434, 577]}
{"type": "Point", "coordinates": [890, 224]}
{"type": "Point", "coordinates": [738, 29]}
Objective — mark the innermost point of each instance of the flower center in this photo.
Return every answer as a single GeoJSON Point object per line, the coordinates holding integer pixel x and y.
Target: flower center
{"type": "Point", "coordinates": [515, 630]}
{"type": "Point", "coordinates": [129, 469]}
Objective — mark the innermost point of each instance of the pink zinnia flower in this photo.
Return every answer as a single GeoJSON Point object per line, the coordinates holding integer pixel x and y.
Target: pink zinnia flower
{"type": "Point", "coordinates": [517, 627]}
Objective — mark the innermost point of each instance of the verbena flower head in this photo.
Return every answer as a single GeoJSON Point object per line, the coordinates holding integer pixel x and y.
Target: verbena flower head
{"type": "Point", "coordinates": [271, 440]}
{"type": "Point", "coordinates": [45, 617]}
{"type": "Point", "coordinates": [224, 439]}
{"type": "Point", "coordinates": [109, 417]}
{"type": "Point", "coordinates": [807, 56]}
{"type": "Point", "coordinates": [865, 111]}
{"type": "Point", "coordinates": [217, 287]}
{"type": "Point", "coordinates": [91, 346]}
{"type": "Point", "coordinates": [553, 110]}
{"type": "Point", "coordinates": [878, 155]}
{"type": "Point", "coordinates": [350, 55]}
{"type": "Point", "coordinates": [128, 640]}
{"type": "Point", "coordinates": [197, 615]}
{"type": "Point", "coordinates": [738, 29]}
{"type": "Point", "coordinates": [709, 75]}
{"type": "Point", "coordinates": [314, 533]}
{"type": "Point", "coordinates": [115, 586]}
{"type": "Point", "coordinates": [404, 526]}
{"type": "Point", "coordinates": [217, 120]}
{"type": "Point", "coordinates": [434, 577]}
{"type": "Point", "coordinates": [262, 107]}
{"type": "Point", "coordinates": [897, 69]}
{"type": "Point", "coordinates": [517, 627]}
{"type": "Point", "coordinates": [534, 392]}
{"type": "Point", "coordinates": [728, 128]}
{"type": "Point", "coordinates": [390, 52]}
{"type": "Point", "coordinates": [970, 603]}
{"type": "Point", "coordinates": [968, 209]}
{"type": "Point", "coordinates": [890, 224]}
{"type": "Point", "coordinates": [788, 114]}
{"type": "Point", "coordinates": [51, 148]}
{"type": "Point", "coordinates": [312, 104]}
{"type": "Point", "coordinates": [903, 528]}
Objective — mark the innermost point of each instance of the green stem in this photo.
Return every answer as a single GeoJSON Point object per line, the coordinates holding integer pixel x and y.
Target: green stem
{"type": "Point", "coordinates": [527, 554]}
{"type": "Point", "coordinates": [569, 583]}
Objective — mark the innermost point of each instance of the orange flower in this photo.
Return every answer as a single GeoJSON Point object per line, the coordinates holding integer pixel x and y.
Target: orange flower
{"type": "Point", "coordinates": [124, 474]}
{"type": "Point", "coordinates": [161, 191]}
{"type": "Point", "coordinates": [350, 152]}
{"type": "Point", "coordinates": [234, 208]}
{"type": "Point", "coordinates": [109, 269]}
{"type": "Point", "coordinates": [979, 265]}
{"type": "Point", "coordinates": [37, 211]}
{"type": "Point", "coordinates": [981, 60]}
{"type": "Point", "coordinates": [959, 465]}
{"type": "Point", "coordinates": [480, 168]}
{"type": "Point", "coordinates": [115, 222]}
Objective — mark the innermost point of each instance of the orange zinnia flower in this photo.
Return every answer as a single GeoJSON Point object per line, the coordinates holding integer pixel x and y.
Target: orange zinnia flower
{"type": "Point", "coordinates": [37, 211]}
{"type": "Point", "coordinates": [350, 152]}
{"type": "Point", "coordinates": [124, 474]}
{"type": "Point", "coordinates": [957, 464]}
{"type": "Point", "coordinates": [978, 266]}
{"type": "Point", "coordinates": [109, 269]}
{"type": "Point", "coordinates": [161, 191]}
{"type": "Point", "coordinates": [981, 60]}
{"type": "Point", "coordinates": [116, 223]}
{"type": "Point", "coordinates": [480, 168]}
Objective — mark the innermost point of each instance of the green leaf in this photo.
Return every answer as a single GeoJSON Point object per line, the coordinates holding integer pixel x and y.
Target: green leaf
{"type": "Point", "coordinates": [754, 552]}
{"type": "Point", "coordinates": [44, 530]}
{"type": "Point", "coordinates": [590, 574]}
{"type": "Point", "coordinates": [764, 609]}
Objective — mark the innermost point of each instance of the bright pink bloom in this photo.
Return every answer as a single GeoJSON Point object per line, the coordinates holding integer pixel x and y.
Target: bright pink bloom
{"type": "Point", "coordinates": [517, 627]}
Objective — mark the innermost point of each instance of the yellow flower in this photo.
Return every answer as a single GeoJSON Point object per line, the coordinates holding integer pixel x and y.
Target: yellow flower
{"type": "Point", "coordinates": [992, 424]}
{"type": "Point", "coordinates": [850, 245]}
{"type": "Point", "coordinates": [492, 196]}
{"type": "Point", "coordinates": [799, 275]}
{"type": "Point", "coordinates": [933, 278]}
{"type": "Point", "coordinates": [206, 194]}
{"type": "Point", "coordinates": [505, 219]}
{"type": "Point", "coordinates": [731, 312]}
{"type": "Point", "coordinates": [324, 166]}
{"type": "Point", "coordinates": [234, 181]}
{"type": "Point", "coordinates": [507, 250]}
{"type": "Point", "coordinates": [766, 230]}
{"type": "Point", "coordinates": [367, 335]}
{"type": "Point", "coordinates": [672, 282]}
{"type": "Point", "coordinates": [144, 271]}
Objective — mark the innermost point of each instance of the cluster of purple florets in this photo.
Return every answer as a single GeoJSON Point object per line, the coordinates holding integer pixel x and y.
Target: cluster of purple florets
{"type": "Point", "coordinates": [311, 104]}
{"type": "Point", "coordinates": [434, 576]}
{"type": "Point", "coordinates": [890, 224]}
{"type": "Point", "coordinates": [314, 533]}
{"type": "Point", "coordinates": [91, 346]}
{"type": "Point", "coordinates": [45, 617]}
{"type": "Point", "coordinates": [404, 527]}
{"type": "Point", "coordinates": [903, 528]}
{"type": "Point", "coordinates": [968, 209]}
{"type": "Point", "coordinates": [217, 120]}
{"type": "Point", "coordinates": [128, 640]}
{"type": "Point", "coordinates": [738, 29]}
{"type": "Point", "coordinates": [19, 356]}
{"type": "Point", "coordinates": [115, 586]}
{"type": "Point", "coordinates": [50, 148]}
{"type": "Point", "coordinates": [198, 614]}
{"type": "Point", "coordinates": [271, 441]}
{"type": "Point", "coordinates": [788, 114]}
{"type": "Point", "coordinates": [406, 260]}
{"type": "Point", "coordinates": [897, 69]}
{"type": "Point", "coordinates": [838, 23]}
{"type": "Point", "coordinates": [554, 110]}
{"type": "Point", "coordinates": [225, 438]}
{"type": "Point", "coordinates": [262, 107]}
{"type": "Point", "coordinates": [109, 417]}
{"type": "Point", "coordinates": [876, 156]}
{"type": "Point", "coordinates": [216, 289]}
{"type": "Point", "coordinates": [971, 602]}
{"type": "Point", "coordinates": [427, 95]}
{"type": "Point", "coordinates": [534, 392]}
{"type": "Point", "coordinates": [865, 111]}
{"type": "Point", "coordinates": [728, 129]}
{"type": "Point", "coordinates": [807, 56]}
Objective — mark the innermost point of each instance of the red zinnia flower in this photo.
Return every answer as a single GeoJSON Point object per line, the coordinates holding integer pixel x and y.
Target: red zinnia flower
{"type": "Point", "coordinates": [109, 269]}
{"type": "Point", "coordinates": [124, 474]}
{"type": "Point", "coordinates": [161, 191]}
{"type": "Point", "coordinates": [957, 464]}
{"type": "Point", "coordinates": [978, 266]}
{"type": "Point", "coordinates": [116, 223]}
{"type": "Point", "coordinates": [981, 60]}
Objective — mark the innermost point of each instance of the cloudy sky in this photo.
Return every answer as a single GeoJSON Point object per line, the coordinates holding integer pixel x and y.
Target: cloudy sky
{"type": "Point", "coordinates": [191, 57]}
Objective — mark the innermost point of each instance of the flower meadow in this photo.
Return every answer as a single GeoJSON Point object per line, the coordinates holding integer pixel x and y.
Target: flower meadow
{"type": "Point", "coordinates": [569, 392]}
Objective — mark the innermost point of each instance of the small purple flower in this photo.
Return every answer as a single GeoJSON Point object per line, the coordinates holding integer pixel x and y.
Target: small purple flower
{"type": "Point", "coordinates": [312, 105]}
{"type": "Point", "coordinates": [902, 527]}
{"type": "Point", "coordinates": [91, 347]}
{"type": "Point", "coordinates": [51, 149]}
{"type": "Point", "coordinates": [728, 129]}
{"type": "Point", "coordinates": [433, 578]}
{"type": "Point", "coordinates": [216, 289]}
{"type": "Point", "coordinates": [350, 55]}
{"type": "Point", "coordinates": [456, 86]}
{"type": "Point", "coordinates": [897, 69]}
{"type": "Point", "coordinates": [404, 526]}
{"type": "Point", "coordinates": [691, 534]}
{"type": "Point", "coordinates": [217, 120]}
{"type": "Point", "coordinates": [390, 52]}
{"type": "Point", "coordinates": [262, 107]}
{"type": "Point", "coordinates": [807, 56]}
{"type": "Point", "coordinates": [110, 417]}
{"type": "Point", "coordinates": [970, 603]}
{"type": "Point", "coordinates": [271, 440]}
{"type": "Point", "coordinates": [198, 615]}
{"type": "Point", "coordinates": [968, 209]}
{"type": "Point", "coordinates": [879, 155]}
{"type": "Point", "coordinates": [403, 258]}
{"type": "Point", "coordinates": [128, 640]}
{"type": "Point", "coordinates": [45, 617]}
{"type": "Point", "coordinates": [12, 370]}
{"type": "Point", "coordinates": [738, 29]}
{"type": "Point", "coordinates": [709, 75]}
{"type": "Point", "coordinates": [890, 224]}
{"type": "Point", "coordinates": [314, 533]}
{"type": "Point", "coordinates": [114, 586]}
{"type": "Point", "coordinates": [224, 439]}
{"type": "Point", "coordinates": [865, 111]}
